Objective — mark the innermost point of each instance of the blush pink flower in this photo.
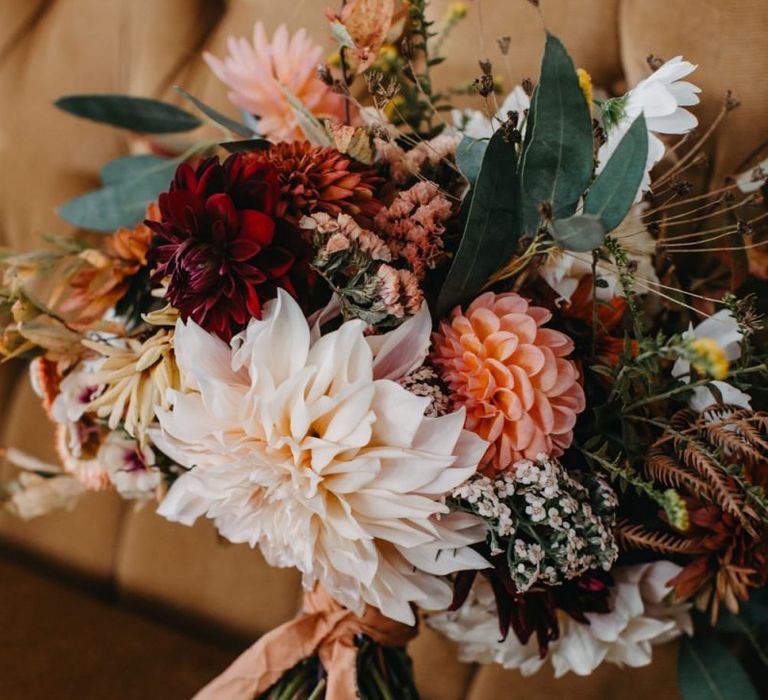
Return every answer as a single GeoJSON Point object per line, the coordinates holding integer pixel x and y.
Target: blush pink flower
{"type": "Point", "coordinates": [511, 374]}
{"type": "Point", "coordinates": [414, 224]}
{"type": "Point", "coordinates": [399, 291]}
{"type": "Point", "coordinates": [257, 74]}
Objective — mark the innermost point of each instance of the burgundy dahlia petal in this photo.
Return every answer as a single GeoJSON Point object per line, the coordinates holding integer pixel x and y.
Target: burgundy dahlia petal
{"type": "Point", "coordinates": [218, 248]}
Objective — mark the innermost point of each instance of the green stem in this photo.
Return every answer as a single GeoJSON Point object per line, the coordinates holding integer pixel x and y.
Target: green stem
{"type": "Point", "coordinates": [687, 387]}
{"type": "Point", "coordinates": [319, 690]}
{"type": "Point", "coordinates": [381, 685]}
{"type": "Point", "coordinates": [294, 685]}
{"type": "Point", "coordinates": [753, 640]}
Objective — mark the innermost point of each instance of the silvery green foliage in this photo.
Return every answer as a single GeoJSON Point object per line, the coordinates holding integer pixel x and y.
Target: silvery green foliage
{"type": "Point", "coordinates": [553, 525]}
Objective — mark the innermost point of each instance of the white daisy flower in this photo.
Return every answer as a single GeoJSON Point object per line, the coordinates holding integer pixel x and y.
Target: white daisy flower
{"type": "Point", "coordinates": [662, 98]}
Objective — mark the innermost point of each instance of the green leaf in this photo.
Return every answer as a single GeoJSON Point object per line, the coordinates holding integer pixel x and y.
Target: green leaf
{"type": "Point", "coordinates": [247, 145]}
{"type": "Point", "coordinates": [579, 233]}
{"type": "Point", "coordinates": [557, 164]}
{"type": "Point", "coordinates": [614, 191]}
{"type": "Point", "coordinates": [127, 167]}
{"type": "Point", "coordinates": [752, 615]}
{"type": "Point", "coordinates": [342, 36]}
{"type": "Point", "coordinates": [250, 121]}
{"type": "Point", "coordinates": [120, 204]}
{"type": "Point", "coordinates": [140, 114]}
{"type": "Point", "coordinates": [234, 126]}
{"type": "Point", "coordinates": [309, 123]}
{"type": "Point", "coordinates": [493, 226]}
{"type": "Point", "coordinates": [706, 670]}
{"type": "Point", "coordinates": [469, 157]}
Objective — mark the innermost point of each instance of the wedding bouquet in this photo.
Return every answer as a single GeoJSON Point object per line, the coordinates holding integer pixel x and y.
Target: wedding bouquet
{"type": "Point", "coordinates": [490, 364]}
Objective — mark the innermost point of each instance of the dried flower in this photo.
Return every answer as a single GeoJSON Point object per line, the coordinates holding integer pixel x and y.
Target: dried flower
{"type": "Point", "coordinates": [352, 261]}
{"type": "Point", "coordinates": [510, 373]}
{"type": "Point", "coordinates": [32, 495]}
{"type": "Point", "coordinates": [405, 166]}
{"type": "Point", "coordinates": [414, 224]}
{"type": "Point", "coordinates": [135, 377]}
{"type": "Point", "coordinates": [341, 233]}
{"type": "Point", "coordinates": [399, 291]}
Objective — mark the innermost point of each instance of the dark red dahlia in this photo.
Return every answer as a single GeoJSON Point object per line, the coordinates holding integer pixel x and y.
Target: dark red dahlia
{"type": "Point", "coordinates": [219, 246]}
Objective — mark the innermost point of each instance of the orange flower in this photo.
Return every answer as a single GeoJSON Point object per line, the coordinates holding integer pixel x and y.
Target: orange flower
{"type": "Point", "coordinates": [511, 375]}
{"type": "Point", "coordinates": [100, 278]}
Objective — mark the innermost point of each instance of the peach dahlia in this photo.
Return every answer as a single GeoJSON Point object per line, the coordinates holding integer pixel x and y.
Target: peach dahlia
{"type": "Point", "coordinates": [511, 375]}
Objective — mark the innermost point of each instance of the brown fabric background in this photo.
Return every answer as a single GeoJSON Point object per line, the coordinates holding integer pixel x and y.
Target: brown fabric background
{"type": "Point", "coordinates": [54, 47]}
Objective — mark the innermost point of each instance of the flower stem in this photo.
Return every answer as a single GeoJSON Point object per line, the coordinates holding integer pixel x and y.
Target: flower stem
{"type": "Point", "coordinates": [319, 690]}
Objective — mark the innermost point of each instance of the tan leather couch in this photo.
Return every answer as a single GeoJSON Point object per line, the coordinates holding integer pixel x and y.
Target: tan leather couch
{"type": "Point", "coordinates": [112, 602]}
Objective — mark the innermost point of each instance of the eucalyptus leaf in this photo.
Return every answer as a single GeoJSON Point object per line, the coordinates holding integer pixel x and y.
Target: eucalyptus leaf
{"type": "Point", "coordinates": [707, 670]}
{"type": "Point", "coordinates": [140, 114]}
{"type": "Point", "coordinates": [556, 165]}
{"type": "Point", "coordinates": [342, 36]}
{"type": "Point", "coordinates": [127, 167]}
{"type": "Point", "coordinates": [493, 226]}
{"type": "Point", "coordinates": [247, 145]}
{"type": "Point", "coordinates": [250, 121]}
{"type": "Point", "coordinates": [469, 157]}
{"type": "Point", "coordinates": [225, 121]}
{"type": "Point", "coordinates": [752, 615]}
{"type": "Point", "coordinates": [614, 191]}
{"type": "Point", "coordinates": [579, 233]}
{"type": "Point", "coordinates": [120, 204]}
{"type": "Point", "coordinates": [309, 123]}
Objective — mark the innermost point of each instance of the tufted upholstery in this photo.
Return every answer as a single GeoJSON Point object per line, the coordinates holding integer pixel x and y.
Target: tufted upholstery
{"type": "Point", "coordinates": [54, 47]}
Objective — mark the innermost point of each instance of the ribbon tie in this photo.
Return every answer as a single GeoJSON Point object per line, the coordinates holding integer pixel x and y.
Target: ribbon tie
{"type": "Point", "coordinates": [326, 629]}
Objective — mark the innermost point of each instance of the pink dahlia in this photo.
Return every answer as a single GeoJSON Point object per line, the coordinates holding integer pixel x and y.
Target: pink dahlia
{"type": "Point", "coordinates": [257, 75]}
{"type": "Point", "coordinates": [520, 392]}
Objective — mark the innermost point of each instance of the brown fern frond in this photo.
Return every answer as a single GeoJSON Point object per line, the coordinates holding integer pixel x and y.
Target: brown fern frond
{"type": "Point", "coordinates": [724, 490]}
{"type": "Point", "coordinates": [640, 537]}
{"type": "Point", "coordinates": [761, 419]}
{"type": "Point", "coordinates": [668, 471]}
{"type": "Point", "coordinates": [751, 424]}
{"type": "Point", "coordinates": [752, 434]}
{"type": "Point", "coordinates": [731, 439]}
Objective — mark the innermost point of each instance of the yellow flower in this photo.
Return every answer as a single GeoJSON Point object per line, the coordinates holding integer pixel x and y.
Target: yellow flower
{"type": "Point", "coordinates": [585, 83]}
{"type": "Point", "coordinates": [456, 11]}
{"type": "Point", "coordinates": [387, 53]}
{"type": "Point", "coordinates": [393, 105]}
{"type": "Point", "coordinates": [709, 357]}
{"type": "Point", "coordinates": [676, 510]}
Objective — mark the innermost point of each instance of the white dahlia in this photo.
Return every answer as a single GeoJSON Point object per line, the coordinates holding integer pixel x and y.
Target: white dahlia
{"type": "Point", "coordinates": [306, 447]}
{"type": "Point", "coordinates": [641, 616]}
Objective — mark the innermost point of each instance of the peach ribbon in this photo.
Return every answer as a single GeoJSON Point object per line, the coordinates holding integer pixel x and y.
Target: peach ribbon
{"type": "Point", "coordinates": [326, 629]}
